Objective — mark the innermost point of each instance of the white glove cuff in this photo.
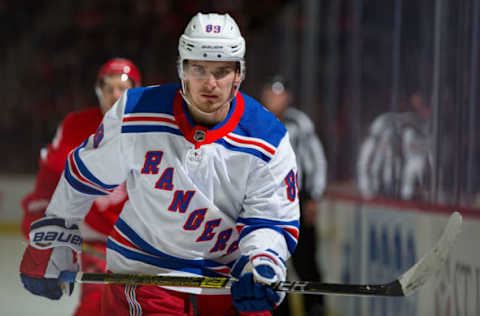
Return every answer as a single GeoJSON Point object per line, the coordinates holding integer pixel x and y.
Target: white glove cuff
{"type": "Point", "coordinates": [51, 232]}
{"type": "Point", "coordinates": [272, 261]}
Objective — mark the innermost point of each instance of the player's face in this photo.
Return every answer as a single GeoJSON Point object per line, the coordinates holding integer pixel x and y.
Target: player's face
{"type": "Point", "coordinates": [113, 88]}
{"type": "Point", "coordinates": [210, 83]}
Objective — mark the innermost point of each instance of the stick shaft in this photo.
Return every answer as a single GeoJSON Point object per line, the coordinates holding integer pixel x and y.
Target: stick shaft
{"type": "Point", "coordinates": [406, 284]}
{"type": "Point", "coordinates": [303, 287]}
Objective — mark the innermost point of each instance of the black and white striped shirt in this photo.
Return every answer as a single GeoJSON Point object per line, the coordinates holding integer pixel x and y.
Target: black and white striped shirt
{"type": "Point", "coordinates": [311, 161]}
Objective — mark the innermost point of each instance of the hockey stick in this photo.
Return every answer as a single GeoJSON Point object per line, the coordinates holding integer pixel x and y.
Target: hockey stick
{"type": "Point", "coordinates": [430, 264]}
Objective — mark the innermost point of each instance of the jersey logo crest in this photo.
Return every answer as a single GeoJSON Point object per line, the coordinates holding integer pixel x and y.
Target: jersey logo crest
{"type": "Point", "coordinates": [199, 136]}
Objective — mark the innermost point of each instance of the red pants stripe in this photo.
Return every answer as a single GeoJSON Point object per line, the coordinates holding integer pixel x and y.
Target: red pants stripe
{"type": "Point", "coordinates": [121, 300]}
{"type": "Point", "coordinates": [91, 294]}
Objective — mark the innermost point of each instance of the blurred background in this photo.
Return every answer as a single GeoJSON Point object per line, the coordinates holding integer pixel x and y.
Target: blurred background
{"type": "Point", "coordinates": [391, 85]}
{"type": "Point", "coordinates": [348, 62]}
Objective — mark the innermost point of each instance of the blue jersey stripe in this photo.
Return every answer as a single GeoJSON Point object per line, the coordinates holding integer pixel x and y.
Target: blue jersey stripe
{"type": "Point", "coordinates": [166, 263]}
{"type": "Point", "coordinates": [150, 128]}
{"type": "Point", "coordinates": [291, 242]}
{"type": "Point", "coordinates": [246, 150]}
{"type": "Point", "coordinates": [258, 223]}
{"type": "Point", "coordinates": [86, 173]}
{"type": "Point", "coordinates": [146, 247]}
{"type": "Point", "coordinates": [80, 186]}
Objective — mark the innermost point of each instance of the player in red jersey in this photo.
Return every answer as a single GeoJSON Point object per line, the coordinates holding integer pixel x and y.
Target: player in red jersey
{"type": "Point", "coordinates": [114, 77]}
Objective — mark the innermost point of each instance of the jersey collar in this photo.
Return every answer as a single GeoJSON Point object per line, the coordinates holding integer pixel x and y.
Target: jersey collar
{"type": "Point", "coordinates": [200, 135]}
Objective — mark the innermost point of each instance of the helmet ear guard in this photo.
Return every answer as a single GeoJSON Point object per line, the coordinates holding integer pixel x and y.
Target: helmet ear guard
{"type": "Point", "coordinates": [242, 69]}
{"type": "Point", "coordinates": [180, 68]}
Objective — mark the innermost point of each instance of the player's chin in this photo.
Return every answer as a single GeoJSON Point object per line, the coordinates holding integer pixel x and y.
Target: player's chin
{"type": "Point", "coordinates": [210, 107]}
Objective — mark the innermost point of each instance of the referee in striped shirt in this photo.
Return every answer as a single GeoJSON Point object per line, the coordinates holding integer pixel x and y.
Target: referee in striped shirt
{"type": "Point", "coordinates": [312, 177]}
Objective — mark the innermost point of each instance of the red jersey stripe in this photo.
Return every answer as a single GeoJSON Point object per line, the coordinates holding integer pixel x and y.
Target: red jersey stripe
{"type": "Point", "coordinates": [251, 142]}
{"type": "Point", "coordinates": [77, 173]}
{"type": "Point", "coordinates": [149, 119]}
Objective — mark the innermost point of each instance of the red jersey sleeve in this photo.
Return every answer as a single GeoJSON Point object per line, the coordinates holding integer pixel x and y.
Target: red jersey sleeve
{"type": "Point", "coordinates": [74, 129]}
{"type": "Point", "coordinates": [106, 209]}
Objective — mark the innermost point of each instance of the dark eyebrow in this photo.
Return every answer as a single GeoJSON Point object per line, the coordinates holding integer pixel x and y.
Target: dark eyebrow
{"type": "Point", "coordinates": [224, 69]}
{"type": "Point", "coordinates": [219, 68]}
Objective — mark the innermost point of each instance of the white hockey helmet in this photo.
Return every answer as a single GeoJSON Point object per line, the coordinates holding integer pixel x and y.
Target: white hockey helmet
{"type": "Point", "coordinates": [211, 37]}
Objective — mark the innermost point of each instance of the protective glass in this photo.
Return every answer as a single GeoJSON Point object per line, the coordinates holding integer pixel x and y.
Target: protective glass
{"type": "Point", "coordinates": [199, 72]}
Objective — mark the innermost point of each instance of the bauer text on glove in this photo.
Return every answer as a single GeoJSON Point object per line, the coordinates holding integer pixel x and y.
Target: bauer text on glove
{"type": "Point", "coordinates": [52, 249]}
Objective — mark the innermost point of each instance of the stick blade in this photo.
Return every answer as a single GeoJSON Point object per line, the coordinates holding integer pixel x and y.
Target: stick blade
{"type": "Point", "coordinates": [433, 261]}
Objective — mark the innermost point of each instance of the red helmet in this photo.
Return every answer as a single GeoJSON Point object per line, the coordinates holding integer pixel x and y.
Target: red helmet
{"type": "Point", "coordinates": [118, 66]}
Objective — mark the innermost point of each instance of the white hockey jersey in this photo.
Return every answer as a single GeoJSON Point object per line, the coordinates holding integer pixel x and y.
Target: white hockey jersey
{"type": "Point", "coordinates": [198, 197]}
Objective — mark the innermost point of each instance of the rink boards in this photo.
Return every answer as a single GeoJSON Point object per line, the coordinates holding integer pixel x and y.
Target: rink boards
{"type": "Point", "coordinates": [375, 241]}
{"type": "Point", "coordinates": [12, 189]}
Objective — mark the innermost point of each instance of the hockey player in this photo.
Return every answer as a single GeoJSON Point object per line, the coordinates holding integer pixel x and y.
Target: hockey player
{"type": "Point", "coordinates": [312, 179]}
{"type": "Point", "coordinates": [211, 180]}
{"type": "Point", "coordinates": [114, 77]}
{"type": "Point", "coordinates": [395, 159]}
